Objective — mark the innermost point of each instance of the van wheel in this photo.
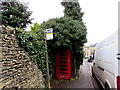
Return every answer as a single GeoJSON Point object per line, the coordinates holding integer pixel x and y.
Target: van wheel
{"type": "Point", "coordinates": [107, 87]}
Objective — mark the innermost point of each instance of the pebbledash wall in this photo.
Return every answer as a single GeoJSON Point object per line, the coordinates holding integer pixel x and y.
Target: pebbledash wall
{"type": "Point", "coordinates": [16, 68]}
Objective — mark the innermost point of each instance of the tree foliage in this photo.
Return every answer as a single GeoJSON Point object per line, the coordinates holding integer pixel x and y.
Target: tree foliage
{"type": "Point", "coordinates": [68, 34]}
{"type": "Point", "coordinates": [15, 14]}
{"type": "Point", "coordinates": [36, 28]}
{"type": "Point", "coordinates": [73, 10]}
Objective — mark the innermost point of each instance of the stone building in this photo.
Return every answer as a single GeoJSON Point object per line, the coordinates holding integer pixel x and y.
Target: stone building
{"type": "Point", "coordinates": [88, 51]}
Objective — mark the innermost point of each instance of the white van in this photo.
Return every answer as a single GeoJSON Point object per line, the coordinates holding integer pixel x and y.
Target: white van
{"type": "Point", "coordinates": [106, 64]}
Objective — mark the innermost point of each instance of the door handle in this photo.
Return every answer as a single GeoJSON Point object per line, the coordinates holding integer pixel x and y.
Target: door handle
{"type": "Point", "coordinates": [118, 56]}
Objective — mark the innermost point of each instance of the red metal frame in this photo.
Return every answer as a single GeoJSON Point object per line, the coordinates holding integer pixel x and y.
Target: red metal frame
{"type": "Point", "coordinates": [63, 64]}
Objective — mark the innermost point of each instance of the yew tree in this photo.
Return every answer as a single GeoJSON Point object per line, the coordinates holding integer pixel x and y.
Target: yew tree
{"type": "Point", "coordinates": [73, 10]}
{"type": "Point", "coordinates": [15, 14]}
{"type": "Point", "coordinates": [68, 34]}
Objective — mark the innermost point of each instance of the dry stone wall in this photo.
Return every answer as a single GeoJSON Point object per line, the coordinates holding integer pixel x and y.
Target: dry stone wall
{"type": "Point", "coordinates": [16, 68]}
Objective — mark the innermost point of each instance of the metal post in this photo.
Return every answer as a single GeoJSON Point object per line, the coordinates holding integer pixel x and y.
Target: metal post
{"type": "Point", "coordinates": [47, 66]}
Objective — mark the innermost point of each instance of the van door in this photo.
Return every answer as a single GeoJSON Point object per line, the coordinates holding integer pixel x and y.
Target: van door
{"type": "Point", "coordinates": [95, 65]}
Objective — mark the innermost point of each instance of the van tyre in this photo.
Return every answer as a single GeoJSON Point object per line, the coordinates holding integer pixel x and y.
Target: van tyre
{"type": "Point", "coordinates": [107, 87]}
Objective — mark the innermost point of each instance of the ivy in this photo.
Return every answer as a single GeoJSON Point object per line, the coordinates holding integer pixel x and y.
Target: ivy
{"type": "Point", "coordinates": [34, 44]}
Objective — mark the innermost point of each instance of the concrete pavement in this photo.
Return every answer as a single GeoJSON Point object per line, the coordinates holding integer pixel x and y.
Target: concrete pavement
{"type": "Point", "coordinates": [85, 78]}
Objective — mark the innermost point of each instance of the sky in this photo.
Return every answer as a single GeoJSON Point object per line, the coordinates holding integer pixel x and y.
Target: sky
{"type": "Point", "coordinates": [100, 18]}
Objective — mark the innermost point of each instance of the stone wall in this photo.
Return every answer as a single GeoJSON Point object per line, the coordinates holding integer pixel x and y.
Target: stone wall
{"type": "Point", "coordinates": [16, 68]}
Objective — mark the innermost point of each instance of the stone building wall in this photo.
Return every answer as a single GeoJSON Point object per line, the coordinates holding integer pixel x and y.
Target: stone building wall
{"type": "Point", "coordinates": [16, 68]}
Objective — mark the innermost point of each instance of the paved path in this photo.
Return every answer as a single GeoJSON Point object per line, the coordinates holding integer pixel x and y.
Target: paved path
{"type": "Point", "coordinates": [84, 81]}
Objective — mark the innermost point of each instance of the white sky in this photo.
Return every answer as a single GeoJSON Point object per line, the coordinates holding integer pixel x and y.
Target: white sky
{"type": "Point", "coordinates": [101, 16]}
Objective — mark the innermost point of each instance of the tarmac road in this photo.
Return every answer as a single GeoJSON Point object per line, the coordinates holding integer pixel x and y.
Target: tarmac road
{"type": "Point", "coordinates": [94, 81]}
{"type": "Point", "coordinates": [85, 80]}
